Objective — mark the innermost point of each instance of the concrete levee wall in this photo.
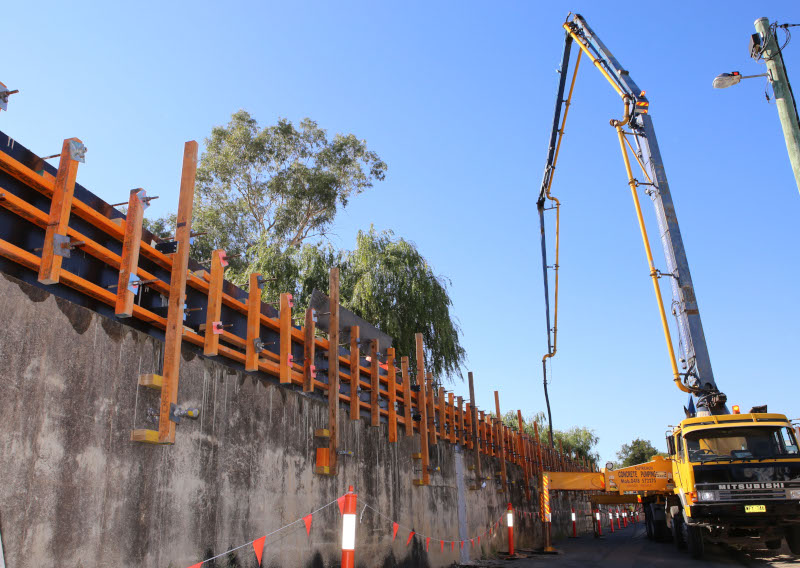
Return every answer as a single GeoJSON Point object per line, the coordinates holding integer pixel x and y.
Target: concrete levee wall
{"type": "Point", "coordinates": [75, 491]}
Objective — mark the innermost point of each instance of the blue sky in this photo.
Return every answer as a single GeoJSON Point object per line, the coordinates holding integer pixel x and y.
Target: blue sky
{"type": "Point", "coordinates": [457, 98]}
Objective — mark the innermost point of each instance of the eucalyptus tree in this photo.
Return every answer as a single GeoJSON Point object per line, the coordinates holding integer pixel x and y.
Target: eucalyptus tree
{"type": "Point", "coordinates": [269, 196]}
{"type": "Point", "coordinates": [265, 191]}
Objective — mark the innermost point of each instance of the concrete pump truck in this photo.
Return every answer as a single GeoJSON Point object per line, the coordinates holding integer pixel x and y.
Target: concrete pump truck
{"type": "Point", "coordinates": [730, 477]}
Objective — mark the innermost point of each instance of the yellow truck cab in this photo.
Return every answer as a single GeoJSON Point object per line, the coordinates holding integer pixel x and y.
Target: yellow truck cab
{"type": "Point", "coordinates": [736, 481]}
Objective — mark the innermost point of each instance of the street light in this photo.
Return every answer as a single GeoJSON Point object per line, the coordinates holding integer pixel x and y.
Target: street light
{"type": "Point", "coordinates": [726, 80]}
{"type": "Point", "coordinates": [764, 47]}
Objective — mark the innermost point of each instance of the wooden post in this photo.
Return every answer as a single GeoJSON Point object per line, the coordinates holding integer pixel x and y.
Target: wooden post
{"type": "Point", "coordinates": [374, 369]}
{"type": "Point", "coordinates": [214, 309]}
{"type": "Point", "coordinates": [177, 296]}
{"type": "Point", "coordinates": [442, 415]}
{"type": "Point", "coordinates": [333, 369]}
{"type": "Point", "coordinates": [253, 313]}
{"type": "Point", "coordinates": [460, 420]}
{"type": "Point", "coordinates": [286, 340]}
{"type": "Point", "coordinates": [431, 410]}
{"type": "Point", "coordinates": [309, 351]}
{"type": "Point", "coordinates": [392, 382]}
{"type": "Point", "coordinates": [487, 435]}
{"type": "Point", "coordinates": [129, 263]}
{"type": "Point", "coordinates": [406, 396]}
{"type": "Point", "coordinates": [474, 422]}
{"type": "Point", "coordinates": [60, 207]}
{"type": "Point", "coordinates": [423, 424]}
{"type": "Point", "coordinates": [355, 373]}
{"type": "Point", "coordinates": [470, 440]}
{"type": "Point", "coordinates": [523, 454]}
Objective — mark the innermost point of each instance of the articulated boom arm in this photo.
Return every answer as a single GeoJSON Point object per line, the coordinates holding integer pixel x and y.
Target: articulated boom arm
{"type": "Point", "coordinates": [697, 377]}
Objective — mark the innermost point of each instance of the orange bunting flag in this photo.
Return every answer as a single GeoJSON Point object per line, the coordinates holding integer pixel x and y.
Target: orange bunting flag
{"type": "Point", "coordinates": [462, 544]}
{"type": "Point", "coordinates": [472, 542]}
{"type": "Point", "coordinates": [196, 565]}
{"type": "Point", "coordinates": [442, 543]}
{"type": "Point", "coordinates": [452, 545]}
{"type": "Point", "coordinates": [479, 541]}
{"type": "Point", "coordinates": [410, 536]}
{"type": "Point", "coordinates": [427, 543]}
{"type": "Point", "coordinates": [307, 521]}
{"type": "Point", "coordinates": [340, 502]}
{"type": "Point", "coordinates": [395, 526]}
{"type": "Point", "coordinates": [258, 547]}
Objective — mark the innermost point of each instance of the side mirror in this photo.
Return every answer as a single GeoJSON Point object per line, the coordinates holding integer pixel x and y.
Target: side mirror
{"type": "Point", "coordinates": [671, 445]}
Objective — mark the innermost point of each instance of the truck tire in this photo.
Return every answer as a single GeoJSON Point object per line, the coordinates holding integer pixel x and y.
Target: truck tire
{"type": "Point", "coordinates": [793, 539]}
{"type": "Point", "coordinates": [773, 544]}
{"type": "Point", "coordinates": [661, 530]}
{"type": "Point", "coordinates": [677, 531]}
{"type": "Point", "coordinates": [648, 523]}
{"type": "Point", "coordinates": [694, 541]}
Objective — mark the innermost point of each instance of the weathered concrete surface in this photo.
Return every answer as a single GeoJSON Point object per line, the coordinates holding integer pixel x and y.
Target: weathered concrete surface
{"type": "Point", "coordinates": [74, 491]}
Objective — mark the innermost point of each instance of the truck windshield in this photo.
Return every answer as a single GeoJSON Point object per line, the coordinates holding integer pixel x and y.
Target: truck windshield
{"type": "Point", "coordinates": [741, 443]}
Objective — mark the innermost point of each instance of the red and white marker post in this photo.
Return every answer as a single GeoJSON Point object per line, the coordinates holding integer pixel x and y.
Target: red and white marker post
{"type": "Point", "coordinates": [574, 524]}
{"type": "Point", "coordinates": [599, 524]}
{"type": "Point", "coordinates": [510, 523]}
{"type": "Point", "coordinates": [349, 529]}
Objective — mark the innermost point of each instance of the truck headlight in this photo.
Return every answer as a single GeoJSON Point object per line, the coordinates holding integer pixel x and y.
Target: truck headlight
{"type": "Point", "coordinates": [705, 496]}
{"type": "Point", "coordinates": [794, 493]}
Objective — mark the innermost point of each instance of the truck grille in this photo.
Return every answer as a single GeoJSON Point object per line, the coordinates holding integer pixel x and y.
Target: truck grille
{"type": "Point", "coordinates": [745, 492]}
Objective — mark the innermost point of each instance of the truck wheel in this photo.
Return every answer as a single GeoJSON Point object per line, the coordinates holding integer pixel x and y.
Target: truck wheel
{"type": "Point", "coordinates": [793, 539]}
{"type": "Point", "coordinates": [694, 541]}
{"type": "Point", "coordinates": [677, 531]}
{"type": "Point", "coordinates": [774, 544]}
{"type": "Point", "coordinates": [661, 530]}
{"type": "Point", "coordinates": [648, 522]}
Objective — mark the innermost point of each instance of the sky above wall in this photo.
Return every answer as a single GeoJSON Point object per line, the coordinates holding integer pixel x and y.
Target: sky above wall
{"type": "Point", "coordinates": [457, 97]}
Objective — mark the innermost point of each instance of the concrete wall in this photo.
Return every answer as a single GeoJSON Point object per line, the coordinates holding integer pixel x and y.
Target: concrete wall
{"type": "Point", "coordinates": [74, 491]}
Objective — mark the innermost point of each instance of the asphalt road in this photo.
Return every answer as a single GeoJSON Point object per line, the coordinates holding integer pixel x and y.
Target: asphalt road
{"type": "Point", "coordinates": [630, 547]}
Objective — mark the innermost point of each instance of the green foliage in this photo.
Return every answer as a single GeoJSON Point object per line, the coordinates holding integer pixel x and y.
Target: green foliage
{"type": "Point", "coordinates": [389, 283]}
{"type": "Point", "coordinates": [578, 440]}
{"type": "Point", "coordinates": [275, 187]}
{"type": "Point", "coordinates": [638, 451]}
{"type": "Point", "coordinates": [386, 281]}
{"type": "Point", "coordinates": [268, 195]}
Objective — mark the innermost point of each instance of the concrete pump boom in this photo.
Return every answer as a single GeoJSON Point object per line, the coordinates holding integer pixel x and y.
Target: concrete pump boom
{"type": "Point", "coordinates": [697, 377]}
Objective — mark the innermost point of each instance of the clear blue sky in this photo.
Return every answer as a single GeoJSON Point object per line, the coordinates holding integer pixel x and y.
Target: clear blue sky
{"type": "Point", "coordinates": [457, 97]}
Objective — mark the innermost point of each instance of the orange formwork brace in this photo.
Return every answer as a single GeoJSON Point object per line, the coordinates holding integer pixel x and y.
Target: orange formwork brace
{"type": "Point", "coordinates": [468, 426]}
{"type": "Point", "coordinates": [213, 327]}
{"type": "Point", "coordinates": [177, 296]}
{"type": "Point", "coordinates": [392, 384]}
{"type": "Point", "coordinates": [524, 454]}
{"type": "Point", "coordinates": [309, 351]}
{"type": "Point", "coordinates": [55, 238]}
{"type": "Point", "coordinates": [451, 417]}
{"type": "Point", "coordinates": [460, 421]}
{"type": "Point", "coordinates": [129, 262]}
{"type": "Point", "coordinates": [442, 415]}
{"type": "Point", "coordinates": [406, 396]}
{"type": "Point", "coordinates": [431, 401]}
{"type": "Point", "coordinates": [374, 369]}
{"type": "Point", "coordinates": [333, 369]}
{"type": "Point", "coordinates": [286, 339]}
{"type": "Point", "coordinates": [355, 373]}
{"type": "Point", "coordinates": [474, 442]}
{"type": "Point", "coordinates": [423, 409]}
